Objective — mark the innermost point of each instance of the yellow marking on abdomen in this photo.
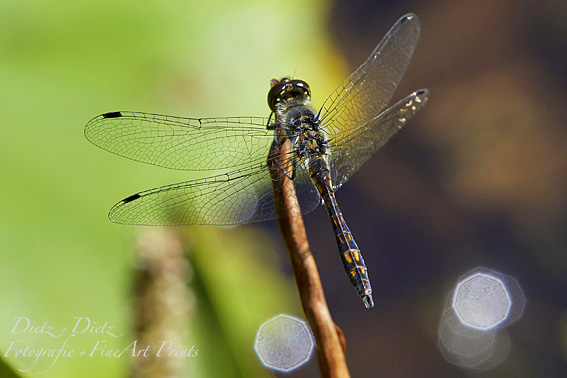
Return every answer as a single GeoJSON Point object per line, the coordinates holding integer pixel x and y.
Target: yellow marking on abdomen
{"type": "Point", "coordinates": [356, 255]}
{"type": "Point", "coordinates": [350, 254]}
{"type": "Point", "coordinates": [358, 267]}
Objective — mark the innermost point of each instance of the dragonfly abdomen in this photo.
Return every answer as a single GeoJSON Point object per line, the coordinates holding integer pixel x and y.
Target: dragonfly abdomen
{"type": "Point", "coordinates": [348, 249]}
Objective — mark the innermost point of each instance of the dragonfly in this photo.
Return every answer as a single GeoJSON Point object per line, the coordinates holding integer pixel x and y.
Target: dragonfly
{"type": "Point", "coordinates": [326, 148]}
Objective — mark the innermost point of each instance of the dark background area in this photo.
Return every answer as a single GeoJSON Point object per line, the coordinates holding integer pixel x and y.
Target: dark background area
{"type": "Point", "coordinates": [476, 178]}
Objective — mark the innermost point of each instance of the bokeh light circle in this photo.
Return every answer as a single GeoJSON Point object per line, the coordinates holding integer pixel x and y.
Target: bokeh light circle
{"type": "Point", "coordinates": [284, 343]}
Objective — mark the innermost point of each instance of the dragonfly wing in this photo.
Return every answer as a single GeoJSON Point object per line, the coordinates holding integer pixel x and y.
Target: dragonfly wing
{"type": "Point", "coordinates": [352, 149]}
{"type": "Point", "coordinates": [239, 196]}
{"type": "Point", "coordinates": [367, 91]}
{"type": "Point", "coordinates": [191, 144]}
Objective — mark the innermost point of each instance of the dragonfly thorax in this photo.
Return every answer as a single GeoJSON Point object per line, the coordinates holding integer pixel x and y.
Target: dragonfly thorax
{"type": "Point", "coordinates": [287, 93]}
{"type": "Point", "coordinates": [303, 129]}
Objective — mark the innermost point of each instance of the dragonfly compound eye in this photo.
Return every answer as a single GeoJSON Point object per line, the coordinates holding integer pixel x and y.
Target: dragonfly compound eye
{"type": "Point", "coordinates": [289, 93]}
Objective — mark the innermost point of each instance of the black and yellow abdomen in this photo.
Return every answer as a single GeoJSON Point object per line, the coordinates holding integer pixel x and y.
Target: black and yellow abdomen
{"type": "Point", "coordinates": [348, 249]}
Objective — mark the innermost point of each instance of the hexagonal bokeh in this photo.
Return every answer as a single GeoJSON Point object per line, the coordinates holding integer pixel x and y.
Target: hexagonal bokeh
{"type": "Point", "coordinates": [471, 331]}
{"type": "Point", "coordinates": [485, 299]}
{"type": "Point", "coordinates": [468, 347]}
{"type": "Point", "coordinates": [481, 301]}
{"type": "Point", "coordinates": [284, 343]}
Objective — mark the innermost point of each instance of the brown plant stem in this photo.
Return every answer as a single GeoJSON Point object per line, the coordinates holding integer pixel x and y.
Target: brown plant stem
{"type": "Point", "coordinates": [329, 337]}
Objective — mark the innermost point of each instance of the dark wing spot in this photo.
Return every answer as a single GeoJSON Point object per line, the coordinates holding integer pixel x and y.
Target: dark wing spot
{"type": "Point", "coordinates": [112, 115]}
{"type": "Point", "coordinates": [131, 198]}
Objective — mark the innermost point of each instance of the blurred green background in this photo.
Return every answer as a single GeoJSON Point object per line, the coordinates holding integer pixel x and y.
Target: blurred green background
{"type": "Point", "coordinates": [478, 178]}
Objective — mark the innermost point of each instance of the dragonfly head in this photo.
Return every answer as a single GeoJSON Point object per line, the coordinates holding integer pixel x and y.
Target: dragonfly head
{"type": "Point", "coordinates": [286, 93]}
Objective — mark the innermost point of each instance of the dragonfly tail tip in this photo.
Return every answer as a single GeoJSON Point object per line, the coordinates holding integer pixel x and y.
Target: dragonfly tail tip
{"type": "Point", "coordinates": [368, 301]}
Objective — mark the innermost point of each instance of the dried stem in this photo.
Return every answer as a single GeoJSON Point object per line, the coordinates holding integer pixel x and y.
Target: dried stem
{"type": "Point", "coordinates": [329, 337]}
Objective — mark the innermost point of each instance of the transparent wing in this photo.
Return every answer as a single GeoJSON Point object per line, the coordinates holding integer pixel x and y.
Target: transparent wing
{"type": "Point", "coordinates": [240, 196]}
{"type": "Point", "coordinates": [191, 144]}
{"type": "Point", "coordinates": [352, 149]}
{"type": "Point", "coordinates": [367, 91]}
